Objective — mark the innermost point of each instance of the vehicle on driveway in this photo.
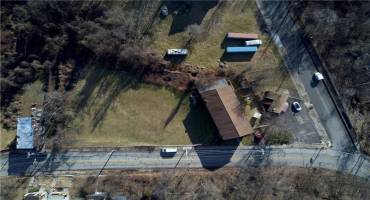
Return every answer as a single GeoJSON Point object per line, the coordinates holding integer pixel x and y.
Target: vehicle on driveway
{"type": "Point", "coordinates": [168, 152]}
{"type": "Point", "coordinates": [164, 11]}
{"type": "Point", "coordinates": [296, 106]}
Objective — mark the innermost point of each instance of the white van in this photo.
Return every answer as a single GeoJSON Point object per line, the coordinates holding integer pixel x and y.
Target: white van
{"type": "Point", "coordinates": [168, 152]}
{"type": "Point", "coordinates": [253, 42]}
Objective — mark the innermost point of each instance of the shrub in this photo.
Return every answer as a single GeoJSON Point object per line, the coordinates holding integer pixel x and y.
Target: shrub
{"type": "Point", "coordinates": [278, 136]}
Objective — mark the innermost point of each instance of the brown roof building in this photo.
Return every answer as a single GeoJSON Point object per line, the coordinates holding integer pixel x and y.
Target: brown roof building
{"type": "Point", "coordinates": [275, 102]}
{"type": "Point", "coordinates": [225, 110]}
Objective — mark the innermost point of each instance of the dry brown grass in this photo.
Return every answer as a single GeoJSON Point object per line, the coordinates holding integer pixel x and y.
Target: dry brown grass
{"type": "Point", "coordinates": [229, 183]}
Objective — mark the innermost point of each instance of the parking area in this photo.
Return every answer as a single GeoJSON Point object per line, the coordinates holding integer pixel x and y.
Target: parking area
{"type": "Point", "coordinates": [299, 123]}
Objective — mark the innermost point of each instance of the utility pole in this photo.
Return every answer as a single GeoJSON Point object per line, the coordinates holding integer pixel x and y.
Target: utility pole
{"type": "Point", "coordinates": [105, 164]}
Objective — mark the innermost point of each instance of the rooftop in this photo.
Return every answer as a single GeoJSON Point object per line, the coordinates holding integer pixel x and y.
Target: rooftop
{"type": "Point", "coordinates": [225, 110]}
{"type": "Point", "coordinates": [24, 133]}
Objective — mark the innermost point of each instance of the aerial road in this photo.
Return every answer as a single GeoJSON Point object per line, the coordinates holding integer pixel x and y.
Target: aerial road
{"type": "Point", "coordinates": [193, 157]}
{"type": "Point", "coordinates": [300, 63]}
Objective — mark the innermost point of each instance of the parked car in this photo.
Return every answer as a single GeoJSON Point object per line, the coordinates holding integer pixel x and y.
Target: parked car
{"type": "Point", "coordinates": [318, 76]}
{"type": "Point", "coordinates": [297, 107]}
{"type": "Point", "coordinates": [164, 11]}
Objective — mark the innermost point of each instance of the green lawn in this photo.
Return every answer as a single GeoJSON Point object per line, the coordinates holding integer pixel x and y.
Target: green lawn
{"type": "Point", "coordinates": [113, 110]}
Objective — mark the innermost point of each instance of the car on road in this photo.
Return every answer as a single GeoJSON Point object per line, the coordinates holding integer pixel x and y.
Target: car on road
{"type": "Point", "coordinates": [168, 152]}
{"type": "Point", "coordinates": [296, 106]}
{"type": "Point", "coordinates": [318, 76]}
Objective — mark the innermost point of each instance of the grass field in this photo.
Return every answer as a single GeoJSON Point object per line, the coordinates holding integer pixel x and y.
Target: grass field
{"type": "Point", "coordinates": [265, 67]}
{"type": "Point", "coordinates": [235, 16]}
{"type": "Point", "coordinates": [113, 110]}
{"type": "Point", "coordinates": [206, 51]}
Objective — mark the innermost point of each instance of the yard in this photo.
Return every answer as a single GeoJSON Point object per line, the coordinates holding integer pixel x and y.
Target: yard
{"type": "Point", "coordinates": [265, 68]}
{"type": "Point", "coordinates": [113, 109]}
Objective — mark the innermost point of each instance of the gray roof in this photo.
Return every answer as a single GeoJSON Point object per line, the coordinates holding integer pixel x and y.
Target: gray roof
{"type": "Point", "coordinates": [221, 83]}
{"type": "Point", "coordinates": [24, 133]}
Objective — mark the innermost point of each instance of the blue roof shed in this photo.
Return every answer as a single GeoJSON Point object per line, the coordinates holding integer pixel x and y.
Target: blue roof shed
{"type": "Point", "coordinates": [24, 133]}
{"type": "Point", "coordinates": [248, 49]}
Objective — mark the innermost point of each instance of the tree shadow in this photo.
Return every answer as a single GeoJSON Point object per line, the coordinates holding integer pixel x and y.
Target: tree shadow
{"type": "Point", "coordinates": [112, 90]}
{"type": "Point", "coordinates": [186, 13]}
{"type": "Point", "coordinates": [92, 81]}
{"type": "Point", "coordinates": [236, 57]}
{"type": "Point", "coordinates": [103, 86]}
{"type": "Point", "coordinates": [176, 109]}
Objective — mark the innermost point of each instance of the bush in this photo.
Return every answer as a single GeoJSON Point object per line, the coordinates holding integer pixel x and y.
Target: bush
{"type": "Point", "coordinates": [278, 137]}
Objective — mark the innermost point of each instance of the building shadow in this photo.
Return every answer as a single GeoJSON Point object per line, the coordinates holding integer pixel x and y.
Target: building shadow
{"type": "Point", "coordinates": [186, 13]}
{"type": "Point", "coordinates": [237, 57]}
{"type": "Point", "coordinates": [19, 163]}
{"type": "Point", "coordinates": [212, 151]}
{"type": "Point", "coordinates": [232, 43]}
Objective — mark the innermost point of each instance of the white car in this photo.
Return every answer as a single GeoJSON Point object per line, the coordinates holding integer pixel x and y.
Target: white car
{"type": "Point", "coordinates": [318, 76]}
{"type": "Point", "coordinates": [297, 106]}
{"type": "Point", "coordinates": [253, 42]}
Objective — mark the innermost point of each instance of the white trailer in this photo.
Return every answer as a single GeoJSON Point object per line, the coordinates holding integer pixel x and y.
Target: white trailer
{"type": "Point", "coordinates": [253, 42]}
{"type": "Point", "coordinates": [180, 52]}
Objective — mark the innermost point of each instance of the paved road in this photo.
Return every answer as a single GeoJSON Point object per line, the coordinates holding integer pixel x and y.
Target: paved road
{"type": "Point", "coordinates": [207, 157]}
{"type": "Point", "coordinates": [299, 62]}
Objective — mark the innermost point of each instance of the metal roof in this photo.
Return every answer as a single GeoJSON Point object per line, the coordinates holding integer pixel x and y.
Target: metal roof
{"type": "Point", "coordinates": [24, 133]}
{"type": "Point", "coordinates": [242, 35]}
{"type": "Point", "coordinates": [226, 112]}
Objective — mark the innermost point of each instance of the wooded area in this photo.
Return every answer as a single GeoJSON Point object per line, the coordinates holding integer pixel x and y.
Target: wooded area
{"type": "Point", "coordinates": [339, 30]}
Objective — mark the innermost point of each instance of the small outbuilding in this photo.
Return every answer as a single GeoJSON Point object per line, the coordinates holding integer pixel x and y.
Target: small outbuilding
{"type": "Point", "coordinates": [275, 102]}
{"type": "Point", "coordinates": [225, 109]}
{"type": "Point", "coordinates": [25, 136]}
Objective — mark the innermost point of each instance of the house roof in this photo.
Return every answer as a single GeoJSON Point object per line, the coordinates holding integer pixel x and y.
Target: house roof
{"type": "Point", "coordinates": [226, 112]}
{"type": "Point", "coordinates": [24, 133]}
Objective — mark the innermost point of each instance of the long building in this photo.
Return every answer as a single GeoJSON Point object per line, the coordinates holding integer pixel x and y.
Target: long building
{"type": "Point", "coordinates": [225, 110]}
